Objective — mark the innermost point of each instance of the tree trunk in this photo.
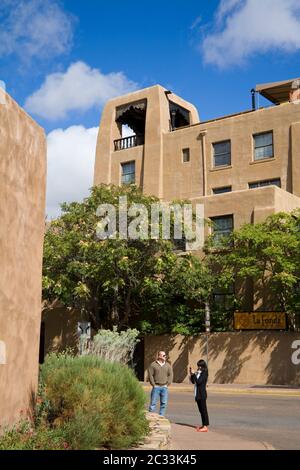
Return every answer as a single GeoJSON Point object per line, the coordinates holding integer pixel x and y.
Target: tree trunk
{"type": "Point", "coordinates": [114, 310]}
{"type": "Point", "coordinates": [127, 307]}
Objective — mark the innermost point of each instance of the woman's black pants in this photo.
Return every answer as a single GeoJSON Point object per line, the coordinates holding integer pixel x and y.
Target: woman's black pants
{"type": "Point", "coordinates": [203, 412]}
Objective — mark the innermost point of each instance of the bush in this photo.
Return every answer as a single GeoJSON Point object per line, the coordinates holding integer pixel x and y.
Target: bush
{"type": "Point", "coordinates": [25, 437]}
{"type": "Point", "coordinates": [96, 404]}
{"type": "Point", "coordinates": [111, 345]}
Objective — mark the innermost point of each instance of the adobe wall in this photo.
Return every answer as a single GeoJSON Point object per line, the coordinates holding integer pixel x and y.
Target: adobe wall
{"type": "Point", "coordinates": [258, 358]}
{"type": "Point", "coordinates": [186, 180]}
{"type": "Point", "coordinates": [60, 326]}
{"type": "Point", "coordinates": [248, 206]}
{"type": "Point", "coordinates": [22, 215]}
{"type": "Point", "coordinates": [150, 158]}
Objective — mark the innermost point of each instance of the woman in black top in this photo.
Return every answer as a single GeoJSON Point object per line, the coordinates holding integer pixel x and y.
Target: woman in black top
{"type": "Point", "coordinates": [199, 378]}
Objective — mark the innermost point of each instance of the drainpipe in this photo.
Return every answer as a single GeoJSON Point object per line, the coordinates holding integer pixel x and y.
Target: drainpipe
{"type": "Point", "coordinates": [202, 136]}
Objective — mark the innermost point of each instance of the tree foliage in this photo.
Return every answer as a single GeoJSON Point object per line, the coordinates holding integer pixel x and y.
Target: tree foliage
{"type": "Point", "coordinates": [267, 254]}
{"type": "Point", "coordinates": [145, 284]}
{"type": "Point", "coordinates": [141, 283]}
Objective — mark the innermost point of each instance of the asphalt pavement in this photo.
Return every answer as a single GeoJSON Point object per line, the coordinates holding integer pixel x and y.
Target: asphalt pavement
{"type": "Point", "coordinates": [241, 417]}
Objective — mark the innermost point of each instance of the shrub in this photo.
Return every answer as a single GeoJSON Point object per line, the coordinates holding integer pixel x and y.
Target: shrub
{"type": "Point", "coordinates": [111, 345]}
{"type": "Point", "coordinates": [95, 403]}
{"type": "Point", "coordinates": [25, 437]}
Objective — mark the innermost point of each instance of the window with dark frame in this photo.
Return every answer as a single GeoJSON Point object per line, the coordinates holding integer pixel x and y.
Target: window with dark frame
{"type": "Point", "coordinates": [223, 298]}
{"type": "Point", "coordinates": [222, 153]}
{"type": "Point", "coordinates": [224, 189]}
{"type": "Point", "coordinates": [128, 173]}
{"type": "Point", "coordinates": [260, 184]}
{"type": "Point", "coordinates": [185, 155]}
{"type": "Point", "coordinates": [222, 228]}
{"type": "Point", "coordinates": [263, 146]}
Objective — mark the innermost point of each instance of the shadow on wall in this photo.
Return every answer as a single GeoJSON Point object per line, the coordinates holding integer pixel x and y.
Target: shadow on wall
{"type": "Point", "coordinates": [181, 363]}
{"type": "Point", "coordinates": [177, 348]}
{"type": "Point", "coordinates": [231, 347]}
{"type": "Point", "coordinates": [253, 357]}
{"type": "Point", "coordinates": [60, 332]}
{"type": "Point", "coordinates": [280, 370]}
{"type": "Point", "coordinates": [264, 298]}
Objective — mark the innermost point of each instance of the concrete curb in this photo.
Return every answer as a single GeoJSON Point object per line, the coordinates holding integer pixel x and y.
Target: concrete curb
{"type": "Point", "coordinates": [239, 391]}
{"type": "Point", "coordinates": [249, 391]}
{"type": "Point", "coordinates": [160, 433]}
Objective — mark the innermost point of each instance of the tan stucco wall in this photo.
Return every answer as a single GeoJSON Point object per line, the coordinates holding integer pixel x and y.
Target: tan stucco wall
{"type": "Point", "coordinates": [249, 205]}
{"type": "Point", "coordinates": [107, 164]}
{"type": "Point", "coordinates": [185, 179]}
{"type": "Point", "coordinates": [135, 154]}
{"type": "Point", "coordinates": [258, 358]}
{"type": "Point", "coordinates": [22, 215]}
{"type": "Point", "coordinates": [60, 329]}
{"type": "Point", "coordinates": [295, 158]}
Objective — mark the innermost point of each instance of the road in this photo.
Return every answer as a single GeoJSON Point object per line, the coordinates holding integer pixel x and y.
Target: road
{"type": "Point", "coordinates": [271, 419]}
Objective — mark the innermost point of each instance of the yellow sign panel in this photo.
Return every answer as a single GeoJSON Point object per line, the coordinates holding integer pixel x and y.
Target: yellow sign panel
{"type": "Point", "coordinates": [259, 321]}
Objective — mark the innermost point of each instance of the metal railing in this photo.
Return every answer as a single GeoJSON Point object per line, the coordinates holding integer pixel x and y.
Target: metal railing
{"type": "Point", "coordinates": [129, 142]}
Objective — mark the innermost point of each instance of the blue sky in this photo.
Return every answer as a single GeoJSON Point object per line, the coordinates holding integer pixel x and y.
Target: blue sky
{"type": "Point", "coordinates": [62, 60]}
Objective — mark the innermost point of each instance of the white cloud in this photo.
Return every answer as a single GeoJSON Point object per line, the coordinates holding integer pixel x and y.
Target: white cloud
{"type": "Point", "coordinates": [127, 131]}
{"type": "Point", "coordinates": [78, 89]}
{"type": "Point", "coordinates": [247, 27]}
{"type": "Point", "coordinates": [197, 21]}
{"type": "Point", "coordinates": [71, 157]}
{"type": "Point", "coordinates": [227, 6]}
{"type": "Point", "coordinates": [34, 28]}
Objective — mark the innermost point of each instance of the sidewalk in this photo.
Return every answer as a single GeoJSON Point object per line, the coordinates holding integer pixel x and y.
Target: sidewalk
{"type": "Point", "coordinates": [170, 436]}
{"type": "Point", "coordinates": [276, 390]}
{"type": "Point", "coordinates": [184, 437]}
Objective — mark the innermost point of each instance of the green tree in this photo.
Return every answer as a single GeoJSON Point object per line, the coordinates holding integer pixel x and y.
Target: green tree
{"type": "Point", "coordinates": [115, 281]}
{"type": "Point", "coordinates": [173, 301]}
{"type": "Point", "coordinates": [267, 254]}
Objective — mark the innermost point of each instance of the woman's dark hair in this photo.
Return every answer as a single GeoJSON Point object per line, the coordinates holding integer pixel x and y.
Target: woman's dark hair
{"type": "Point", "coordinates": [202, 365]}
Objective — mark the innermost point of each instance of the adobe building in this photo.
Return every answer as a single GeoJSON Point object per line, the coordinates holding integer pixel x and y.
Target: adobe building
{"type": "Point", "coordinates": [242, 167]}
{"type": "Point", "coordinates": [22, 215]}
{"type": "Point", "coordinates": [173, 155]}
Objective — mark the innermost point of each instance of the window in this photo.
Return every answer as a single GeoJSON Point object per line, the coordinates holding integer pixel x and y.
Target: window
{"type": "Point", "coordinates": [223, 298]}
{"type": "Point", "coordinates": [128, 173]}
{"type": "Point", "coordinates": [131, 121]}
{"type": "Point", "coordinates": [180, 117]}
{"type": "Point", "coordinates": [225, 189]}
{"type": "Point", "coordinates": [263, 146]}
{"type": "Point", "coordinates": [185, 155]}
{"type": "Point", "coordinates": [259, 184]}
{"type": "Point", "coordinates": [180, 244]}
{"type": "Point", "coordinates": [222, 228]}
{"type": "Point", "coordinates": [222, 153]}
